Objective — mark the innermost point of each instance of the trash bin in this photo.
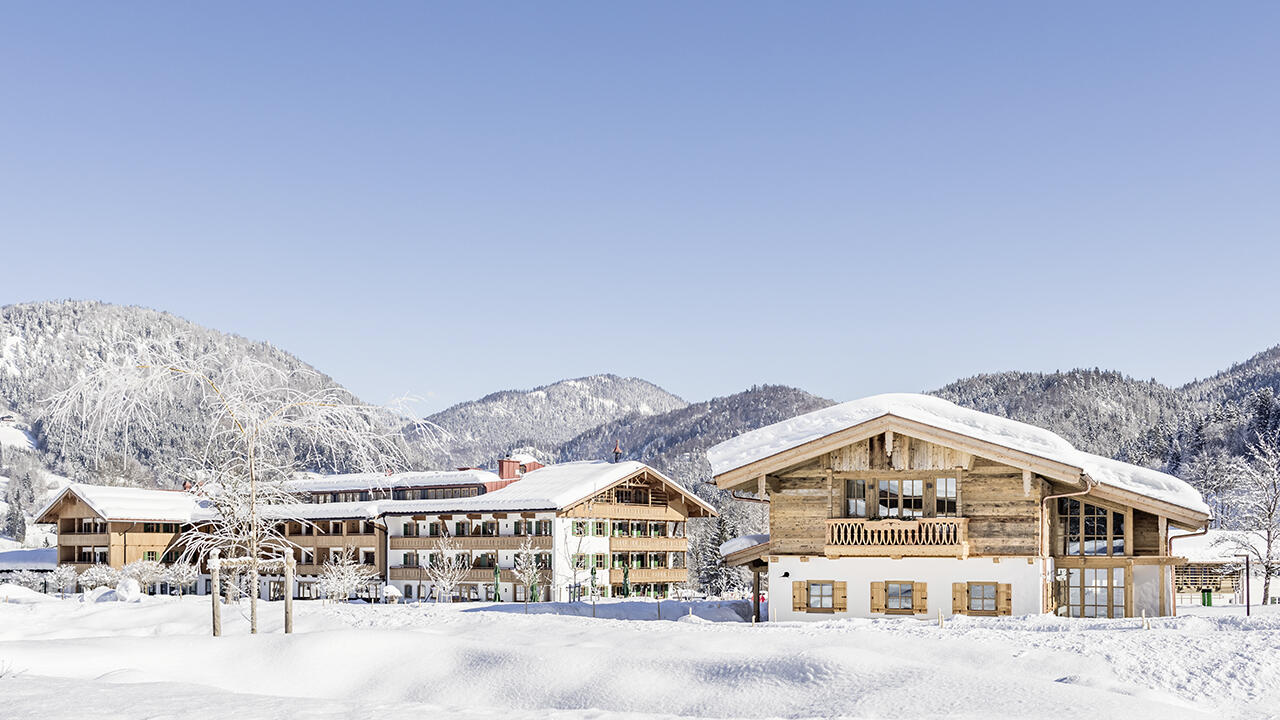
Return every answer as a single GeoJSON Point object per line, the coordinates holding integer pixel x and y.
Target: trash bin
{"type": "Point", "coordinates": [1206, 598]}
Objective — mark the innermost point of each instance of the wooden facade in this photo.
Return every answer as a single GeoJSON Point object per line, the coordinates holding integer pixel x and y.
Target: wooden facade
{"type": "Point", "coordinates": [893, 488]}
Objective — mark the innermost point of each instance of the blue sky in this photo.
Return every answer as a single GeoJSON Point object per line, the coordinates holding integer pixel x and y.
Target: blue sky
{"type": "Point", "coordinates": [852, 198]}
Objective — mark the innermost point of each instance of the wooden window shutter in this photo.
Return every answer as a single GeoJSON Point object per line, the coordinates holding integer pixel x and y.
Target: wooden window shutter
{"type": "Point", "coordinates": [877, 597]}
{"type": "Point", "coordinates": [959, 598]}
{"type": "Point", "coordinates": [840, 597]}
{"type": "Point", "coordinates": [1004, 599]}
{"type": "Point", "coordinates": [799, 595]}
{"type": "Point", "coordinates": [920, 597]}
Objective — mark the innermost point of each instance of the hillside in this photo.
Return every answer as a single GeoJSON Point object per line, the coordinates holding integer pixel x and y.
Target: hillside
{"type": "Point", "coordinates": [45, 346]}
{"type": "Point", "coordinates": [545, 417]}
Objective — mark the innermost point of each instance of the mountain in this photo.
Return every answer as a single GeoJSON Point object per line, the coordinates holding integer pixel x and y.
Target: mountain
{"type": "Point", "coordinates": [46, 346]}
{"type": "Point", "coordinates": [481, 431]}
{"type": "Point", "coordinates": [1260, 372]}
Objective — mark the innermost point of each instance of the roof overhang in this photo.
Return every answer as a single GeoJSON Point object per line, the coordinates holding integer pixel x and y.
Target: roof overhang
{"type": "Point", "coordinates": [746, 476]}
{"type": "Point", "coordinates": [686, 495]}
{"type": "Point", "coordinates": [748, 555]}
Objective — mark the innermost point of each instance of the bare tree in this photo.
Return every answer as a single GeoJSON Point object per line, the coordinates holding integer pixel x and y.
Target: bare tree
{"type": "Point", "coordinates": [574, 558]}
{"type": "Point", "coordinates": [527, 570]}
{"type": "Point", "coordinates": [448, 566]}
{"type": "Point", "coordinates": [263, 423]}
{"type": "Point", "coordinates": [344, 575]}
{"type": "Point", "coordinates": [1258, 508]}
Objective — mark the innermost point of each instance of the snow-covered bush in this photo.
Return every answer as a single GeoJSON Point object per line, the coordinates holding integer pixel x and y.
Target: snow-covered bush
{"type": "Point", "coordinates": [25, 578]}
{"type": "Point", "coordinates": [341, 577]}
{"type": "Point", "coordinates": [63, 578]}
{"type": "Point", "coordinates": [146, 572]}
{"type": "Point", "coordinates": [99, 576]}
{"type": "Point", "coordinates": [181, 575]}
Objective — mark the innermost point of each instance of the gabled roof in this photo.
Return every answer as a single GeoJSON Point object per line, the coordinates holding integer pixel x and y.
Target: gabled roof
{"type": "Point", "coordinates": [1025, 441]}
{"type": "Point", "coordinates": [127, 503]}
{"type": "Point", "coordinates": [380, 481]}
{"type": "Point", "coordinates": [554, 487]}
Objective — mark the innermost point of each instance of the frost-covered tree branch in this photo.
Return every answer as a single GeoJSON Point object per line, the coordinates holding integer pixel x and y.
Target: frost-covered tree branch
{"type": "Point", "coordinates": [260, 423]}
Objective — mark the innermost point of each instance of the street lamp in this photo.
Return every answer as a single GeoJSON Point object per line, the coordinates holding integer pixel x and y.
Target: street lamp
{"type": "Point", "coordinates": [1246, 583]}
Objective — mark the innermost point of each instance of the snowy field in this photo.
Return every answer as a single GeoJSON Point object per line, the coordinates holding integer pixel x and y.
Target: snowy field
{"type": "Point", "coordinates": [67, 659]}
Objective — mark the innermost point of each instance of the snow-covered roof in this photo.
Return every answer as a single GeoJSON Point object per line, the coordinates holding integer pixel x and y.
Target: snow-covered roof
{"type": "Point", "coordinates": [127, 503]}
{"type": "Point", "coordinates": [1213, 546]}
{"type": "Point", "coordinates": [764, 442]}
{"type": "Point", "coordinates": [16, 437]}
{"type": "Point", "coordinates": [381, 481]}
{"type": "Point", "coordinates": [325, 511]}
{"type": "Point", "coordinates": [548, 488]}
{"type": "Point", "coordinates": [742, 542]}
{"type": "Point", "coordinates": [29, 559]}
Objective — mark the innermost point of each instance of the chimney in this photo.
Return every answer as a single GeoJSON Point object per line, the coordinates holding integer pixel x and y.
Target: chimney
{"type": "Point", "coordinates": [617, 451]}
{"type": "Point", "coordinates": [508, 469]}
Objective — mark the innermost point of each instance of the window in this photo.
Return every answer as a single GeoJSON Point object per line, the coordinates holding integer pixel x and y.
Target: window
{"type": "Point", "coordinates": [521, 527]}
{"type": "Point", "coordinates": [601, 528]}
{"type": "Point", "coordinates": [856, 495]}
{"type": "Point", "coordinates": [901, 498]}
{"type": "Point", "coordinates": [411, 529]}
{"type": "Point", "coordinates": [150, 555]}
{"type": "Point", "coordinates": [411, 559]}
{"type": "Point", "coordinates": [579, 528]}
{"type": "Point", "coordinates": [1089, 529]}
{"type": "Point", "coordinates": [433, 529]}
{"type": "Point", "coordinates": [580, 561]}
{"type": "Point", "coordinates": [821, 595]}
{"type": "Point", "coordinates": [461, 529]}
{"type": "Point", "coordinates": [898, 597]}
{"type": "Point", "coordinates": [1093, 592]}
{"type": "Point", "coordinates": [982, 598]}
{"type": "Point", "coordinates": [601, 560]}
{"type": "Point", "coordinates": [946, 499]}
{"type": "Point", "coordinates": [544, 527]}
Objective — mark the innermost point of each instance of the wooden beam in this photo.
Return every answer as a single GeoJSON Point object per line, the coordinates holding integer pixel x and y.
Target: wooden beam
{"type": "Point", "coordinates": [1026, 482]}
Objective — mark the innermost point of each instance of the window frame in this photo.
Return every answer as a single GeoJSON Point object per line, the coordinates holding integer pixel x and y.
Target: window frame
{"type": "Point", "coordinates": [829, 594]}
{"type": "Point", "coordinates": [911, 596]}
{"type": "Point", "coordinates": [995, 598]}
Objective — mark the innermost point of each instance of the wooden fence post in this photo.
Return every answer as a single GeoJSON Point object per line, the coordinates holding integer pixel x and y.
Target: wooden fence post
{"type": "Point", "coordinates": [214, 576]}
{"type": "Point", "coordinates": [289, 569]}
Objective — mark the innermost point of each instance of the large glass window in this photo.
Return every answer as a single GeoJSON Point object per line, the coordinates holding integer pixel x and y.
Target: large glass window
{"type": "Point", "coordinates": [856, 496]}
{"type": "Point", "coordinates": [946, 497]}
{"type": "Point", "coordinates": [1093, 592]}
{"type": "Point", "coordinates": [1089, 529]}
{"type": "Point", "coordinates": [890, 504]}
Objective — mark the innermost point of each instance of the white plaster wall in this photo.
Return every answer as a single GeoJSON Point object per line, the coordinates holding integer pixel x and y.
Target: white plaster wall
{"type": "Point", "coordinates": [938, 573]}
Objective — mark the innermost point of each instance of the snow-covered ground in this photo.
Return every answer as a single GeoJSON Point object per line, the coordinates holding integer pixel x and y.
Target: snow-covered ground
{"type": "Point", "coordinates": [64, 658]}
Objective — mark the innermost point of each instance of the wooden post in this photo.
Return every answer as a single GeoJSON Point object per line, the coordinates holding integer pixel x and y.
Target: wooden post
{"type": "Point", "coordinates": [289, 569]}
{"type": "Point", "coordinates": [755, 595]}
{"type": "Point", "coordinates": [215, 579]}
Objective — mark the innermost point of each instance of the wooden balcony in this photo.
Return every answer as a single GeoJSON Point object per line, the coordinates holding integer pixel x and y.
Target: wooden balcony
{"type": "Point", "coordinates": [623, 543]}
{"type": "Point", "coordinates": [77, 539]}
{"type": "Point", "coordinates": [327, 541]}
{"type": "Point", "coordinates": [474, 575]}
{"type": "Point", "coordinates": [472, 542]}
{"type": "Point", "coordinates": [924, 537]}
{"type": "Point", "coordinates": [650, 575]}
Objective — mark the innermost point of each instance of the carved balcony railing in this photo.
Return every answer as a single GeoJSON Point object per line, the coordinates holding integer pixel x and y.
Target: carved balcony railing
{"type": "Point", "coordinates": [924, 537]}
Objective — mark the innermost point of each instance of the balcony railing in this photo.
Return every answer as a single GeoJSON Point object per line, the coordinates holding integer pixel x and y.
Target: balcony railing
{"type": "Point", "coordinates": [648, 544]}
{"type": "Point", "coordinates": [472, 542]}
{"type": "Point", "coordinates": [923, 537]}
{"type": "Point", "coordinates": [649, 575]}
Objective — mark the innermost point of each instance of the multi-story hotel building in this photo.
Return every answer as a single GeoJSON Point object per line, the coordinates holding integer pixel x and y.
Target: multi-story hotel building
{"type": "Point", "coordinates": [611, 525]}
